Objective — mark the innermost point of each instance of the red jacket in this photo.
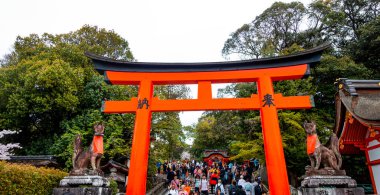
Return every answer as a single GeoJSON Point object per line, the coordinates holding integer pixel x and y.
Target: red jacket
{"type": "Point", "coordinates": [214, 179]}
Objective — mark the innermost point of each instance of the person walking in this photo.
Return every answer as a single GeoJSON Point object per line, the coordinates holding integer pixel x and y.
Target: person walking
{"type": "Point", "coordinates": [258, 189]}
{"type": "Point", "coordinates": [241, 181]}
{"type": "Point", "coordinates": [198, 171]}
{"type": "Point", "coordinates": [170, 176]}
{"type": "Point", "coordinates": [232, 188]}
{"type": "Point", "coordinates": [165, 167]}
{"type": "Point", "coordinates": [213, 180]}
{"type": "Point", "coordinates": [219, 188]}
{"type": "Point", "coordinates": [204, 185]}
{"type": "Point", "coordinates": [240, 191]}
{"type": "Point", "coordinates": [229, 177]}
{"type": "Point", "coordinates": [175, 182]}
{"type": "Point", "coordinates": [254, 184]}
{"type": "Point", "coordinates": [173, 190]}
{"type": "Point", "coordinates": [158, 165]}
{"type": "Point", "coordinates": [192, 168]}
{"type": "Point", "coordinates": [249, 170]}
{"type": "Point", "coordinates": [197, 183]}
{"type": "Point", "coordinates": [182, 191]}
{"type": "Point", "coordinates": [248, 187]}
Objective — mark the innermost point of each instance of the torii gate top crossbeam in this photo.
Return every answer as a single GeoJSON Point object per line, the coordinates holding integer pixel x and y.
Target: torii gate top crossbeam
{"type": "Point", "coordinates": [309, 56]}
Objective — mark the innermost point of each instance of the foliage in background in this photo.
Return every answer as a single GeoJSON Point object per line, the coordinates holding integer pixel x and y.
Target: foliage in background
{"type": "Point", "coordinates": [113, 186]}
{"type": "Point", "coordinates": [27, 179]}
{"type": "Point", "coordinates": [152, 171]}
{"type": "Point", "coordinates": [167, 131]}
{"type": "Point", "coordinates": [367, 47]}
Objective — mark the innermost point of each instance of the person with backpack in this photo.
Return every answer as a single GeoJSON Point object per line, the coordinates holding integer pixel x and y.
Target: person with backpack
{"type": "Point", "coordinates": [248, 187]}
{"type": "Point", "coordinates": [232, 188]}
{"type": "Point", "coordinates": [219, 188]}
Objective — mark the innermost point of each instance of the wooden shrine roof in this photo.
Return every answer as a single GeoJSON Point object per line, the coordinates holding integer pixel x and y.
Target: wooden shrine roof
{"type": "Point", "coordinates": [357, 105]}
{"type": "Point", "coordinates": [208, 153]}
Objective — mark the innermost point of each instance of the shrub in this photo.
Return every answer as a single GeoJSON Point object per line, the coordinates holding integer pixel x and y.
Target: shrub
{"type": "Point", "coordinates": [113, 186]}
{"type": "Point", "coordinates": [27, 179]}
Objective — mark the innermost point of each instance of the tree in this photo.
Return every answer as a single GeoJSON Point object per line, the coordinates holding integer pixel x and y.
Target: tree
{"type": "Point", "coordinates": [169, 137]}
{"type": "Point", "coordinates": [273, 30]}
{"type": "Point", "coordinates": [358, 13]}
{"type": "Point", "coordinates": [367, 48]}
{"type": "Point", "coordinates": [280, 24]}
{"type": "Point", "coordinates": [47, 81]}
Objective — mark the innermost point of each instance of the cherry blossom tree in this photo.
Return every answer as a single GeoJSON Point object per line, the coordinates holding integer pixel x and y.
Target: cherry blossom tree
{"type": "Point", "coordinates": [6, 149]}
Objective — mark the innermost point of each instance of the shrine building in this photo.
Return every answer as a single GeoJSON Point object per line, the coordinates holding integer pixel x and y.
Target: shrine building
{"type": "Point", "coordinates": [215, 156]}
{"type": "Point", "coordinates": [358, 122]}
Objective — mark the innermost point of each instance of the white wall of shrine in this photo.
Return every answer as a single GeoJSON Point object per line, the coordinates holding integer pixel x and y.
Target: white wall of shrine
{"type": "Point", "coordinates": [376, 176]}
{"type": "Point", "coordinates": [374, 154]}
{"type": "Point", "coordinates": [373, 143]}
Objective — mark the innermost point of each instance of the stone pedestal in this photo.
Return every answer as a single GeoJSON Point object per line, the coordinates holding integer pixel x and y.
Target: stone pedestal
{"type": "Point", "coordinates": [332, 191]}
{"type": "Point", "coordinates": [330, 185]}
{"type": "Point", "coordinates": [92, 180]}
{"type": "Point", "coordinates": [82, 191]}
{"type": "Point", "coordinates": [83, 185]}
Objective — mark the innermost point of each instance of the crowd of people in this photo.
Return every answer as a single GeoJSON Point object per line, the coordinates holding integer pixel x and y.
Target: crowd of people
{"type": "Point", "coordinates": [215, 177]}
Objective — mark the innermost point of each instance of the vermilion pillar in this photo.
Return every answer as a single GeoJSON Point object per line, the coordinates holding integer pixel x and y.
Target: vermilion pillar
{"type": "Point", "coordinates": [141, 140]}
{"type": "Point", "coordinates": [274, 152]}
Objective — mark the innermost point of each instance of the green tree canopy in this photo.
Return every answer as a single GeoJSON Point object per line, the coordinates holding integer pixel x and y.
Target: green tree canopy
{"type": "Point", "coordinates": [278, 31]}
{"type": "Point", "coordinates": [48, 83]}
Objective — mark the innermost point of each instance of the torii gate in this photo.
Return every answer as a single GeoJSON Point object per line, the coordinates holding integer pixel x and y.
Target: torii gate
{"type": "Point", "coordinates": [263, 71]}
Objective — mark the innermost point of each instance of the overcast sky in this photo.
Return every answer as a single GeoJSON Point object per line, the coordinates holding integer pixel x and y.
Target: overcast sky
{"type": "Point", "coordinates": [157, 30]}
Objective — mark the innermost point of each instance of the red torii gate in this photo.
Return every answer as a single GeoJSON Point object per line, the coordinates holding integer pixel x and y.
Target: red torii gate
{"type": "Point", "coordinates": [263, 71]}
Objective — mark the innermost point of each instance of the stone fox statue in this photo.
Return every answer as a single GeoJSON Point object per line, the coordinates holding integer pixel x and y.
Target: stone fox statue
{"type": "Point", "coordinates": [82, 158]}
{"type": "Point", "coordinates": [319, 154]}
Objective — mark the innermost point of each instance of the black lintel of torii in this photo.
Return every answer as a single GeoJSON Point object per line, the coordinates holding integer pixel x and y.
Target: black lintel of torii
{"type": "Point", "coordinates": [309, 56]}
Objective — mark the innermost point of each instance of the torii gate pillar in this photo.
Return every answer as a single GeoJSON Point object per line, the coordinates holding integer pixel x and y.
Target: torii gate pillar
{"type": "Point", "coordinates": [274, 152]}
{"type": "Point", "coordinates": [141, 141]}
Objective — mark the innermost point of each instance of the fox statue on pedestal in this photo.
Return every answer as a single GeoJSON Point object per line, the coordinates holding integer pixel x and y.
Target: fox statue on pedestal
{"type": "Point", "coordinates": [82, 158]}
{"type": "Point", "coordinates": [319, 154]}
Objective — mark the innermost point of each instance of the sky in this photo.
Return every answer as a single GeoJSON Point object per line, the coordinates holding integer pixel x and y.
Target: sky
{"type": "Point", "coordinates": [157, 30]}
